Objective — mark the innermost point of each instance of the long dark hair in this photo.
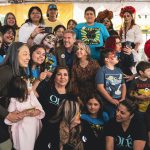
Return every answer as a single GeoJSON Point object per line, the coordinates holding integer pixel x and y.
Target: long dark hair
{"type": "Point", "coordinates": [11, 57]}
{"type": "Point", "coordinates": [18, 89]}
{"type": "Point", "coordinates": [6, 17]}
{"type": "Point", "coordinates": [96, 96]}
{"type": "Point", "coordinates": [42, 66]}
{"type": "Point", "coordinates": [29, 15]}
{"type": "Point", "coordinates": [71, 20]}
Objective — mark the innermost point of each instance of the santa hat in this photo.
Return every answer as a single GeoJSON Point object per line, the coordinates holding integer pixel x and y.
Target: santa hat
{"type": "Point", "coordinates": [147, 49]}
{"type": "Point", "coordinates": [128, 9]}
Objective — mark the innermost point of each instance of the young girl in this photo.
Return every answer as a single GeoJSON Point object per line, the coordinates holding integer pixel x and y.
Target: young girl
{"type": "Point", "coordinates": [25, 131]}
{"type": "Point", "coordinates": [93, 123]}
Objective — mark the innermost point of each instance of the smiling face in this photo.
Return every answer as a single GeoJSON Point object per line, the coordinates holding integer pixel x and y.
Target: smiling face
{"type": "Point", "coordinates": [93, 106]}
{"type": "Point", "coordinates": [52, 13]}
{"type": "Point", "coordinates": [9, 37]}
{"type": "Point", "coordinates": [81, 52]}
{"type": "Point", "coordinates": [35, 16]}
{"type": "Point", "coordinates": [49, 41]}
{"type": "Point", "coordinates": [68, 40]}
{"type": "Point", "coordinates": [38, 56]}
{"type": "Point", "coordinates": [11, 20]}
{"type": "Point", "coordinates": [90, 17]}
{"type": "Point", "coordinates": [23, 56]}
{"type": "Point", "coordinates": [107, 23]}
{"type": "Point", "coordinates": [71, 25]}
{"type": "Point", "coordinates": [62, 77]}
{"type": "Point", "coordinates": [122, 114]}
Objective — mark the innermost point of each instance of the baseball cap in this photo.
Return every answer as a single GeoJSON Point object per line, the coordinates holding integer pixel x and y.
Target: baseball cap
{"type": "Point", "coordinates": [52, 6]}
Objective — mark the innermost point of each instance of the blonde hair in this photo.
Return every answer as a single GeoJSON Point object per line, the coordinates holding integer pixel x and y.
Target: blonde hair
{"type": "Point", "coordinates": [85, 47]}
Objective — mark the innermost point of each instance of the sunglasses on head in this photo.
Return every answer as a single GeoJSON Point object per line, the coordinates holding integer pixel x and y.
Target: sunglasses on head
{"type": "Point", "coordinates": [52, 7]}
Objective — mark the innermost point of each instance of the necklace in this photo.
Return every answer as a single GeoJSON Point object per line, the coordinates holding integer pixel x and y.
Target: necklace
{"type": "Point", "coordinates": [83, 65]}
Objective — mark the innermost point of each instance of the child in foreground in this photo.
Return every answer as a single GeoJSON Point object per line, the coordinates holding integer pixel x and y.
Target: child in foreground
{"type": "Point", "coordinates": [25, 131]}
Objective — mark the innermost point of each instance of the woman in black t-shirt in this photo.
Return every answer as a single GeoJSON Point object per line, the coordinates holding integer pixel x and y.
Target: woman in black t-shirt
{"type": "Point", "coordinates": [127, 131]}
{"type": "Point", "coordinates": [52, 92]}
{"type": "Point", "coordinates": [148, 126]}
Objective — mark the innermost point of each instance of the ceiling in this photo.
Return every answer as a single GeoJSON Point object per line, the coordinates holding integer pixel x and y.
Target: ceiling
{"type": "Point", "coordinates": [30, 1]}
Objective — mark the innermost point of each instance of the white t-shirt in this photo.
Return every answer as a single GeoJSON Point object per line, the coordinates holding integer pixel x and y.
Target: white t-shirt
{"type": "Point", "coordinates": [26, 30]}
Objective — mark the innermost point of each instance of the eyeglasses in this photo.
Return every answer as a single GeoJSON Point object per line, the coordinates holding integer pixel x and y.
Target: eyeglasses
{"type": "Point", "coordinates": [118, 43]}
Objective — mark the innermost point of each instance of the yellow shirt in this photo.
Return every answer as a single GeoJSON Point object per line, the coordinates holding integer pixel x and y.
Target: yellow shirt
{"type": "Point", "coordinates": [17, 35]}
{"type": "Point", "coordinates": [52, 24]}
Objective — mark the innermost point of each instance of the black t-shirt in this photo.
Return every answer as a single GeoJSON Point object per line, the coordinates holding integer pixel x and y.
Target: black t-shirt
{"type": "Point", "coordinates": [92, 138]}
{"type": "Point", "coordinates": [50, 99]}
{"type": "Point", "coordinates": [148, 118]}
{"type": "Point", "coordinates": [123, 140]}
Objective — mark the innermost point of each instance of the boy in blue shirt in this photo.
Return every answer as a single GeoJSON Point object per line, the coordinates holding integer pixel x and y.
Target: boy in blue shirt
{"type": "Point", "coordinates": [110, 82]}
{"type": "Point", "coordinates": [92, 33]}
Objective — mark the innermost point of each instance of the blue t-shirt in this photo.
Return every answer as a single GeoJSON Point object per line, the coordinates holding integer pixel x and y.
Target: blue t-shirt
{"type": "Point", "coordinates": [1, 59]}
{"type": "Point", "coordinates": [35, 73]}
{"type": "Point", "coordinates": [96, 121]}
{"type": "Point", "coordinates": [112, 80]}
{"type": "Point", "coordinates": [50, 62]}
{"type": "Point", "coordinates": [94, 36]}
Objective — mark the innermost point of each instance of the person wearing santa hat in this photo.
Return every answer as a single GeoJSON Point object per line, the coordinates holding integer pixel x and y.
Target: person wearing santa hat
{"type": "Point", "coordinates": [147, 49]}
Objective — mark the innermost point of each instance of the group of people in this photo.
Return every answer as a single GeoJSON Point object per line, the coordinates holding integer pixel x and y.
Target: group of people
{"type": "Point", "coordinates": [79, 87]}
